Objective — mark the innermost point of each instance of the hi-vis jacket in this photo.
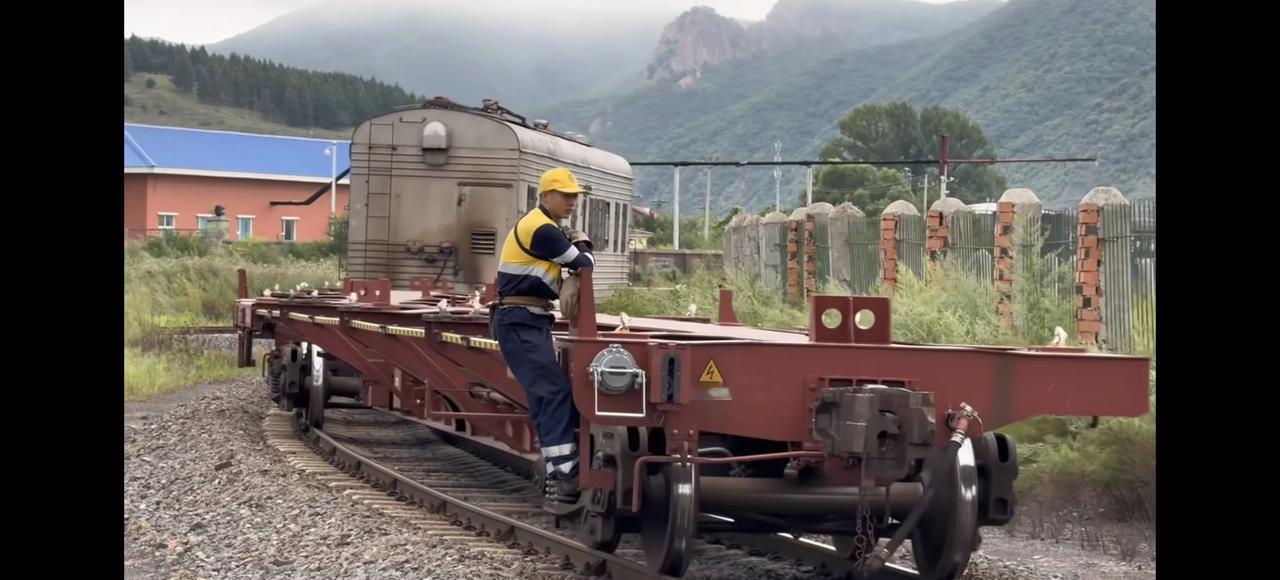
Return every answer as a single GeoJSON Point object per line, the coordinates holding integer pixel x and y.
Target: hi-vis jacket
{"type": "Point", "coordinates": [532, 256]}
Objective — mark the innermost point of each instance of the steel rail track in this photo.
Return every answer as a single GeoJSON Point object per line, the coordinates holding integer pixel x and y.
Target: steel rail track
{"type": "Point", "coordinates": [451, 476]}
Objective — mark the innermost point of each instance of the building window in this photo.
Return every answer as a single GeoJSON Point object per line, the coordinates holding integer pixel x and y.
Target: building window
{"type": "Point", "coordinates": [168, 221]}
{"type": "Point", "coordinates": [202, 221]}
{"type": "Point", "coordinates": [289, 229]}
{"type": "Point", "coordinates": [244, 227]}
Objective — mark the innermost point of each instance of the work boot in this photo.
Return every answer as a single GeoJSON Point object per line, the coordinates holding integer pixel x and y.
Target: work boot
{"type": "Point", "coordinates": [561, 496]}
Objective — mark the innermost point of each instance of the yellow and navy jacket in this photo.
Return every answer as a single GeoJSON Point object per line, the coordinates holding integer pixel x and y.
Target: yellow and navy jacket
{"type": "Point", "coordinates": [533, 254]}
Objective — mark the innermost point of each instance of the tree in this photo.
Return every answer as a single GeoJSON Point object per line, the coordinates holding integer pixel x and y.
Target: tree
{"type": "Point", "coordinates": [184, 74]}
{"type": "Point", "coordinates": [878, 132]}
{"type": "Point", "coordinates": [868, 188]}
{"type": "Point", "coordinates": [972, 182]}
{"type": "Point", "coordinates": [296, 96]}
{"type": "Point", "coordinates": [128, 62]}
{"type": "Point", "coordinates": [896, 132]}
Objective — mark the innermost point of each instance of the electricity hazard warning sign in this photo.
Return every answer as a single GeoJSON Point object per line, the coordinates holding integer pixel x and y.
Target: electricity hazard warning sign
{"type": "Point", "coordinates": [711, 374]}
{"type": "Point", "coordinates": [712, 382]}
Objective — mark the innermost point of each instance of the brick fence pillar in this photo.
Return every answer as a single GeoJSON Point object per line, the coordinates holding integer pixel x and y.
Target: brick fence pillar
{"type": "Point", "coordinates": [938, 236]}
{"type": "Point", "coordinates": [809, 246]}
{"type": "Point", "coordinates": [890, 234]}
{"type": "Point", "coordinates": [1092, 257]}
{"type": "Point", "coordinates": [1014, 203]}
{"type": "Point", "coordinates": [795, 257]}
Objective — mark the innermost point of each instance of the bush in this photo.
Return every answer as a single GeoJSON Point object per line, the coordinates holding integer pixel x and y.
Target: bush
{"type": "Point", "coordinates": [1111, 467]}
{"type": "Point", "coordinates": [754, 304]}
{"type": "Point", "coordinates": [252, 251]}
{"type": "Point", "coordinates": [947, 306]}
{"type": "Point", "coordinates": [1043, 296]}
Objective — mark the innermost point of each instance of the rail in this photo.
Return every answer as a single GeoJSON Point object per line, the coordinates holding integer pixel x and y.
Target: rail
{"type": "Point", "coordinates": [513, 532]}
{"type": "Point", "coordinates": [501, 528]}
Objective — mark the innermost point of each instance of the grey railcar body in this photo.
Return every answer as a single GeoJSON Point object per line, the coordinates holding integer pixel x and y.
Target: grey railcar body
{"type": "Point", "coordinates": [435, 189]}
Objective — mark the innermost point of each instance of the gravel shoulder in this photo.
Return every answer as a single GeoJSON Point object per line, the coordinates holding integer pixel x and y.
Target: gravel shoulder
{"type": "Point", "coordinates": [258, 517]}
{"type": "Point", "coordinates": [206, 497]}
{"type": "Point", "coordinates": [1064, 559]}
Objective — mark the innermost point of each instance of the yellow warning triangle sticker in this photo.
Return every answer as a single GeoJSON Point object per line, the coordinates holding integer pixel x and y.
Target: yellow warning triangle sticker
{"type": "Point", "coordinates": [711, 374]}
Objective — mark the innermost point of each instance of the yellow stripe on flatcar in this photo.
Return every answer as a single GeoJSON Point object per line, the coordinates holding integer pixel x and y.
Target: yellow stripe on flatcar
{"type": "Point", "coordinates": [485, 343]}
{"type": "Point", "coordinates": [369, 326]}
{"type": "Point", "coordinates": [406, 331]}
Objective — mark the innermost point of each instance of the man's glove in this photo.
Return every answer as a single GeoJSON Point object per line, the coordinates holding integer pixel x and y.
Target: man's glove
{"type": "Point", "coordinates": [576, 237]}
{"type": "Point", "coordinates": [569, 296]}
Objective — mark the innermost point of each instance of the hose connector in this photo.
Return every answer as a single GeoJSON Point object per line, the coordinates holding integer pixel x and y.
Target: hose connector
{"type": "Point", "coordinates": [959, 422]}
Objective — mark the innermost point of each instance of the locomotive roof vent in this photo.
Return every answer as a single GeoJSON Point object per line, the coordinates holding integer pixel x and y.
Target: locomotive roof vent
{"type": "Point", "coordinates": [541, 124]}
{"type": "Point", "coordinates": [435, 136]}
{"type": "Point", "coordinates": [435, 143]}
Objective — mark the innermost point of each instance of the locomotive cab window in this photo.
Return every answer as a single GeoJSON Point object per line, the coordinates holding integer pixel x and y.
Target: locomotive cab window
{"type": "Point", "coordinates": [531, 199]}
{"type": "Point", "coordinates": [617, 226]}
{"type": "Point", "coordinates": [598, 223]}
{"type": "Point", "coordinates": [604, 224]}
{"type": "Point", "coordinates": [625, 234]}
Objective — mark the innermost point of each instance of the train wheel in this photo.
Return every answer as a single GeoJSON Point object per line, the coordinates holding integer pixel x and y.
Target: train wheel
{"type": "Point", "coordinates": [948, 533]}
{"type": "Point", "coordinates": [316, 396]}
{"type": "Point", "coordinates": [669, 518]}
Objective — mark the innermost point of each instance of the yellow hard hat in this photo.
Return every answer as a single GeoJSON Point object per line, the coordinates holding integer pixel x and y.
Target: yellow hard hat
{"type": "Point", "coordinates": [559, 179]}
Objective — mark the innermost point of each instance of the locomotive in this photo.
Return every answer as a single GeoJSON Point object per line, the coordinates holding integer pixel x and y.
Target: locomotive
{"type": "Point", "coordinates": [436, 187]}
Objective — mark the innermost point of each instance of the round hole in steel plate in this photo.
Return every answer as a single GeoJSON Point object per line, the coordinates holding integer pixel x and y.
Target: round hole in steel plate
{"type": "Point", "coordinates": [363, 291]}
{"type": "Point", "coordinates": [831, 318]}
{"type": "Point", "coordinates": [865, 319]}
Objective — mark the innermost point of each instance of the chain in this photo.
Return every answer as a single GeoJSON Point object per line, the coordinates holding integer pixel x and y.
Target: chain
{"type": "Point", "coordinates": [864, 535]}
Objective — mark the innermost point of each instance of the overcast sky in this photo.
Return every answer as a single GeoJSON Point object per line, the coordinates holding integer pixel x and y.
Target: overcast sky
{"type": "Point", "coordinates": [208, 21]}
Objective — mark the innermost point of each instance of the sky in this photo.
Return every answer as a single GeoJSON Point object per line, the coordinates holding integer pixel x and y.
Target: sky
{"type": "Point", "coordinates": [209, 21]}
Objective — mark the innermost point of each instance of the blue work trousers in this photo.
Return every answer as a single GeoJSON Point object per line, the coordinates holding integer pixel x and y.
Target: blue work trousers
{"type": "Point", "coordinates": [525, 340]}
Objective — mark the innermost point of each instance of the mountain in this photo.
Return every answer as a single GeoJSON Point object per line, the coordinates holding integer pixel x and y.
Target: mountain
{"type": "Point", "coordinates": [1064, 77]}
{"type": "Point", "coordinates": [702, 37]}
{"type": "Point", "coordinates": [1042, 77]}
{"type": "Point", "coordinates": [519, 53]}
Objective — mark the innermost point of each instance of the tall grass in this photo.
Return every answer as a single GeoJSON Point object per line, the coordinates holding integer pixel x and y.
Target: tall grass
{"type": "Point", "coordinates": [947, 306]}
{"type": "Point", "coordinates": [150, 372]}
{"type": "Point", "coordinates": [754, 303]}
{"type": "Point", "coordinates": [188, 281]}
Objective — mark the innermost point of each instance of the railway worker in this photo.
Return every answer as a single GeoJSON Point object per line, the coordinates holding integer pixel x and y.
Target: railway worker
{"type": "Point", "coordinates": [529, 276]}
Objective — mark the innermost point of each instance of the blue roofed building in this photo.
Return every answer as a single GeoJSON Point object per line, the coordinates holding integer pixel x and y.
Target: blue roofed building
{"type": "Point", "coordinates": [175, 176]}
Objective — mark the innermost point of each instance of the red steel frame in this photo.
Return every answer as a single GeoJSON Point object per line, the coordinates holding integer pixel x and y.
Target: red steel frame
{"type": "Point", "coordinates": [773, 386]}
